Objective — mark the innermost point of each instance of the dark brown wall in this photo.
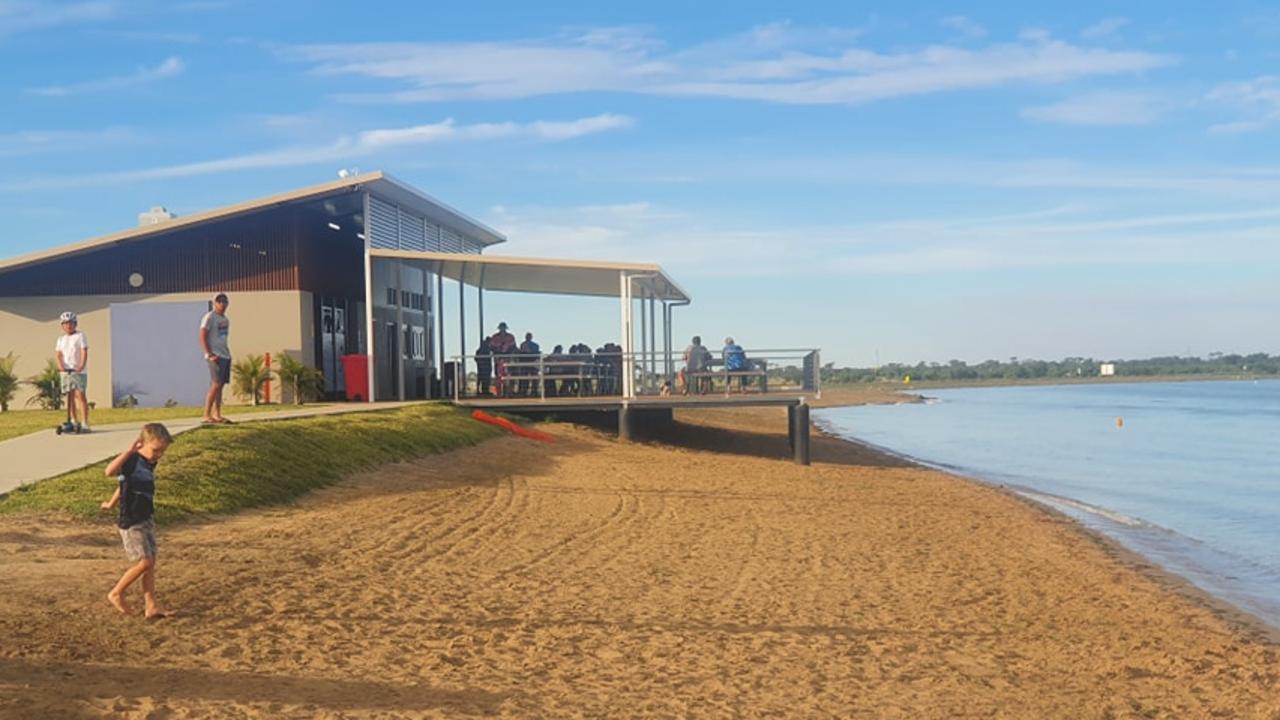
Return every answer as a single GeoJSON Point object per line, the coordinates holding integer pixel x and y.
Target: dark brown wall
{"type": "Point", "coordinates": [276, 249]}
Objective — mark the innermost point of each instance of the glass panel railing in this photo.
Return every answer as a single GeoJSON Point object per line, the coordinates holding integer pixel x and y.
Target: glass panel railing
{"type": "Point", "coordinates": [604, 374]}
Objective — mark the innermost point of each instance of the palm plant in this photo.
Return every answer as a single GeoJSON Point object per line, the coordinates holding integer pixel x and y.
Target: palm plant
{"type": "Point", "coordinates": [48, 385]}
{"type": "Point", "coordinates": [8, 381]}
{"type": "Point", "coordinates": [303, 381]}
{"type": "Point", "coordinates": [249, 376]}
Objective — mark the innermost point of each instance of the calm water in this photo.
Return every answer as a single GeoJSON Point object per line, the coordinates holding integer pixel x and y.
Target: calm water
{"type": "Point", "coordinates": [1192, 479]}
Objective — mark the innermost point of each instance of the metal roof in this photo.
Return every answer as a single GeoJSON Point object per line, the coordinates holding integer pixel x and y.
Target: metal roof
{"type": "Point", "coordinates": [543, 275]}
{"type": "Point", "coordinates": [377, 182]}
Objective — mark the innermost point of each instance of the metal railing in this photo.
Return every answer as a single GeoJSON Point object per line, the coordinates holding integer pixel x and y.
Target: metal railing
{"type": "Point", "coordinates": [650, 374]}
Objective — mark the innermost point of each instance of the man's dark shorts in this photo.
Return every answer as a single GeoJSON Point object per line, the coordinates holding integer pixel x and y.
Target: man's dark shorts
{"type": "Point", "coordinates": [220, 371]}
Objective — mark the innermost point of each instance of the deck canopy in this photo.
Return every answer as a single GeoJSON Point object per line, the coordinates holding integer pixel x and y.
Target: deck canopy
{"type": "Point", "coordinates": [543, 275]}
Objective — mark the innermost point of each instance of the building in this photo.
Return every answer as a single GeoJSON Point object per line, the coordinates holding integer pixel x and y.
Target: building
{"type": "Point", "coordinates": [294, 264]}
{"type": "Point", "coordinates": [358, 267]}
{"type": "Point", "coordinates": [1107, 369]}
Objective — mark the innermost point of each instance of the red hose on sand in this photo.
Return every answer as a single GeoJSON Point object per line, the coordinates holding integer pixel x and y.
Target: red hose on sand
{"type": "Point", "coordinates": [511, 427]}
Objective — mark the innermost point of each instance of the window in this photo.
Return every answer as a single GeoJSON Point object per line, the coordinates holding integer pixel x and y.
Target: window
{"type": "Point", "coordinates": [404, 298]}
{"type": "Point", "coordinates": [391, 297]}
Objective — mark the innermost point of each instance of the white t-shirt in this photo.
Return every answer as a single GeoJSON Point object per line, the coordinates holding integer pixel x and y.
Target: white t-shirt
{"type": "Point", "coordinates": [72, 348]}
{"type": "Point", "coordinates": [219, 328]}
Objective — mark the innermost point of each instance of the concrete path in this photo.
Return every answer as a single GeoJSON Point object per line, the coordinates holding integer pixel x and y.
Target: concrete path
{"type": "Point", "coordinates": [45, 454]}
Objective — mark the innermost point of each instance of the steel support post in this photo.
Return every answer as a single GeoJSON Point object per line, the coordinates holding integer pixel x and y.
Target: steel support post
{"type": "Point", "coordinates": [801, 451]}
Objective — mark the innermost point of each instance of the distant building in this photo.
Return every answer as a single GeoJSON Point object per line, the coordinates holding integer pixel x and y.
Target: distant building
{"type": "Point", "coordinates": [1107, 369]}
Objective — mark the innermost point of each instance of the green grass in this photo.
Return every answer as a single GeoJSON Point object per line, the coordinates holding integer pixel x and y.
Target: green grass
{"type": "Point", "coordinates": [23, 422]}
{"type": "Point", "coordinates": [223, 469]}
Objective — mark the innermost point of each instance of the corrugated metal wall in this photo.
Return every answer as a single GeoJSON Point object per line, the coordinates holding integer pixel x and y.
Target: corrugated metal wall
{"type": "Point", "coordinates": [251, 253]}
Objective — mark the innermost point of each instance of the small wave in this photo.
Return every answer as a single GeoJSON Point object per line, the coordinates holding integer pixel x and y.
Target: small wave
{"type": "Point", "coordinates": [1113, 516]}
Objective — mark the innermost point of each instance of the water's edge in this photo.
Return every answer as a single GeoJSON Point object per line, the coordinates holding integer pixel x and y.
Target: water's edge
{"type": "Point", "coordinates": [1123, 536]}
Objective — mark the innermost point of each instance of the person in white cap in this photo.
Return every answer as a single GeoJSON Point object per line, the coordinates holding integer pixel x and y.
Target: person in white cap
{"type": "Point", "coordinates": [72, 356]}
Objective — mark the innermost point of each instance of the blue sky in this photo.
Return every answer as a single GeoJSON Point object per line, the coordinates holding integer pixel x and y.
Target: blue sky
{"type": "Point", "coordinates": [898, 181]}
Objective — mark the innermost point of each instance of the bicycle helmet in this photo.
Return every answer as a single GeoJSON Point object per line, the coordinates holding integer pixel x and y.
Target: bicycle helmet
{"type": "Point", "coordinates": [68, 317]}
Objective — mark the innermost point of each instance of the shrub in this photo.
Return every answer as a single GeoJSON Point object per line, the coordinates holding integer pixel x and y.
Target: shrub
{"type": "Point", "coordinates": [249, 376]}
{"type": "Point", "coordinates": [306, 383]}
{"type": "Point", "coordinates": [8, 381]}
{"type": "Point", "coordinates": [48, 385]}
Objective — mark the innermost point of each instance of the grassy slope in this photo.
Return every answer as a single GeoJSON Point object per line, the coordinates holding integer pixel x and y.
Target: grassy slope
{"type": "Point", "coordinates": [228, 468]}
{"type": "Point", "coordinates": [22, 422]}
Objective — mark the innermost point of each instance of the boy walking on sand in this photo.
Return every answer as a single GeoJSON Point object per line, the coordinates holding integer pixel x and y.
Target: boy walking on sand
{"type": "Point", "coordinates": [135, 468]}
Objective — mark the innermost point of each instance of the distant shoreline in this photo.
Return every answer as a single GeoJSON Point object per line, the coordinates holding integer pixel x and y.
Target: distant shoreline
{"type": "Point", "coordinates": [880, 390]}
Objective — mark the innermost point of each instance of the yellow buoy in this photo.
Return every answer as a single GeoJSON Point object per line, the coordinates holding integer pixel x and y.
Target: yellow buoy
{"type": "Point", "coordinates": [1119, 422]}
{"type": "Point", "coordinates": [906, 380]}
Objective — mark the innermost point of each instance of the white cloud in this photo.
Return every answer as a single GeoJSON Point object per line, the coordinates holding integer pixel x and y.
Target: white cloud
{"type": "Point", "coordinates": [1103, 108]}
{"type": "Point", "coordinates": [964, 26]}
{"type": "Point", "coordinates": [170, 67]}
{"type": "Point", "coordinates": [1103, 28]}
{"type": "Point", "coordinates": [693, 244]}
{"type": "Point", "coordinates": [17, 16]}
{"type": "Point", "coordinates": [362, 144]}
{"type": "Point", "coordinates": [1259, 98]}
{"type": "Point", "coordinates": [776, 63]}
{"type": "Point", "coordinates": [35, 142]}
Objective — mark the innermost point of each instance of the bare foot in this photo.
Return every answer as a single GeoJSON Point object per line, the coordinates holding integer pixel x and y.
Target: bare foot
{"type": "Point", "coordinates": [157, 613]}
{"type": "Point", "coordinates": [118, 603]}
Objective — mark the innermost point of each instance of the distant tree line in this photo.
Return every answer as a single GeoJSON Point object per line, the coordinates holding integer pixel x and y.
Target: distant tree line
{"type": "Point", "coordinates": [1256, 364]}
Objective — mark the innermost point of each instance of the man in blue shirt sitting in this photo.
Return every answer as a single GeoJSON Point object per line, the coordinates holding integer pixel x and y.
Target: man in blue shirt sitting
{"type": "Point", "coordinates": [735, 358]}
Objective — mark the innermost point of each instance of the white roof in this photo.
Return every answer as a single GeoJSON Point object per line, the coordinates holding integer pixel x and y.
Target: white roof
{"type": "Point", "coordinates": [543, 275]}
{"type": "Point", "coordinates": [377, 182]}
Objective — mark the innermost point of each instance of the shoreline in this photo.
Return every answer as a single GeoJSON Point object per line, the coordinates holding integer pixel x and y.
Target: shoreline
{"type": "Point", "coordinates": [1039, 382]}
{"type": "Point", "coordinates": [1175, 582]}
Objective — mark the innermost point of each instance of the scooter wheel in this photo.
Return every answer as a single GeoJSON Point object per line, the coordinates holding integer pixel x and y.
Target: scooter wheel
{"type": "Point", "coordinates": [58, 430]}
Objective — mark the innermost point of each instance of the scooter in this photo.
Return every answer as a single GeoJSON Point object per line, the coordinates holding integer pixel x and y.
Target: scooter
{"type": "Point", "coordinates": [68, 427]}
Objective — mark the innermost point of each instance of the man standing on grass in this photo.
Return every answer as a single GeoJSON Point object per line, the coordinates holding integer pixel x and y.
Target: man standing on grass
{"type": "Point", "coordinates": [214, 329]}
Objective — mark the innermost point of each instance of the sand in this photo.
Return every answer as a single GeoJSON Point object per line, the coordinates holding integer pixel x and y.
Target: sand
{"type": "Point", "coordinates": [591, 579]}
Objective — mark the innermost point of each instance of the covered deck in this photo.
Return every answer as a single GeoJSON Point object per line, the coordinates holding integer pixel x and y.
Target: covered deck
{"type": "Point", "coordinates": [640, 376]}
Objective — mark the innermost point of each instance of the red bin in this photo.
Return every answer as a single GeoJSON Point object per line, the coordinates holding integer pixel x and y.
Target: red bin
{"type": "Point", "coordinates": [356, 369]}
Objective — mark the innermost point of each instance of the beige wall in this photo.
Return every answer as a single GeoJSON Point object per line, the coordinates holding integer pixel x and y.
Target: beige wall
{"type": "Point", "coordinates": [261, 322]}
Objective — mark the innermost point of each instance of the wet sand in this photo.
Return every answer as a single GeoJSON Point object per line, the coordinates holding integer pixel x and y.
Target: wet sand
{"type": "Point", "coordinates": [590, 578]}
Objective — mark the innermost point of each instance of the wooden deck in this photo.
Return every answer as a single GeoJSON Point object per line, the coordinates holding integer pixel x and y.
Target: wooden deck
{"type": "Point", "coordinates": [614, 402]}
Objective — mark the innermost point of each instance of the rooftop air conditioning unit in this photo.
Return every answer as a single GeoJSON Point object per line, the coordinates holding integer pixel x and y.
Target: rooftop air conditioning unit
{"type": "Point", "coordinates": [155, 216]}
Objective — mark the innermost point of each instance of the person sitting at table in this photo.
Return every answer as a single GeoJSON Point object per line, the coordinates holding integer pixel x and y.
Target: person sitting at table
{"type": "Point", "coordinates": [484, 368]}
{"type": "Point", "coordinates": [553, 368]}
{"type": "Point", "coordinates": [582, 353]}
{"type": "Point", "coordinates": [735, 359]}
{"type": "Point", "coordinates": [608, 367]}
{"type": "Point", "coordinates": [697, 358]}
{"type": "Point", "coordinates": [503, 344]}
{"type": "Point", "coordinates": [530, 351]}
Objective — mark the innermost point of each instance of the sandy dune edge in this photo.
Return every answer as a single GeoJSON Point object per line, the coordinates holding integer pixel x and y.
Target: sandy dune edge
{"type": "Point", "coordinates": [590, 578]}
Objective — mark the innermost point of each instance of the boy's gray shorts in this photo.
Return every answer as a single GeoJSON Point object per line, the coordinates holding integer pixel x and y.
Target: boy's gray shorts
{"type": "Point", "coordinates": [139, 540]}
{"type": "Point", "coordinates": [75, 381]}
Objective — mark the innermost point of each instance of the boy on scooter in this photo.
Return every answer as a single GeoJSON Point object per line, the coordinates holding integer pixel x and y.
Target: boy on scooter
{"type": "Point", "coordinates": [72, 355]}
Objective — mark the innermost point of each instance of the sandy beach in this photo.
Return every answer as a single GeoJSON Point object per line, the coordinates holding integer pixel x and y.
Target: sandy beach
{"type": "Point", "coordinates": [700, 574]}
